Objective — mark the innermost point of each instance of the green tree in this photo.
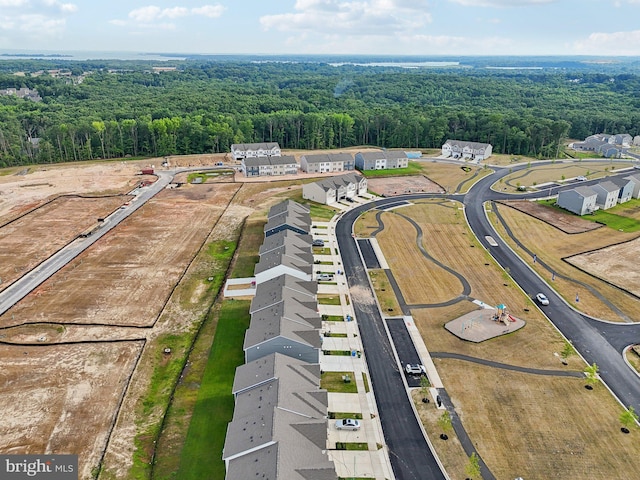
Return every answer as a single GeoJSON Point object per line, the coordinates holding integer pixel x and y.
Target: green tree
{"type": "Point", "coordinates": [424, 386]}
{"type": "Point", "coordinates": [629, 418]}
{"type": "Point", "coordinates": [591, 372]}
{"type": "Point", "coordinates": [472, 468]}
{"type": "Point", "coordinates": [567, 351]}
{"type": "Point", "coordinates": [444, 422]}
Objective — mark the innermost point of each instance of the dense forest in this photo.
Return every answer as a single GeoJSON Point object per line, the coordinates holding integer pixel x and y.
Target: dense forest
{"type": "Point", "coordinates": [111, 109]}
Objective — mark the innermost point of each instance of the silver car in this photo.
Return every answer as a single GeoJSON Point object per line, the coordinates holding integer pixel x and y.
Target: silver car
{"type": "Point", "coordinates": [348, 424]}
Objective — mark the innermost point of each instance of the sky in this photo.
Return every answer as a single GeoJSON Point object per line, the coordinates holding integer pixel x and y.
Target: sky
{"type": "Point", "coordinates": [376, 27]}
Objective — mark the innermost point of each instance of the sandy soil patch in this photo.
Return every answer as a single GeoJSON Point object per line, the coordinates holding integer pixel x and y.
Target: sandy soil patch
{"type": "Point", "coordinates": [20, 193]}
{"type": "Point", "coordinates": [126, 278]}
{"type": "Point", "coordinates": [402, 185]}
{"type": "Point", "coordinates": [62, 399]}
{"type": "Point", "coordinates": [566, 222]}
{"type": "Point", "coordinates": [616, 264]}
{"type": "Point", "coordinates": [33, 238]}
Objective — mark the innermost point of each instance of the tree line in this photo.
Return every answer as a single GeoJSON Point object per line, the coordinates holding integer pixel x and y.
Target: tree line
{"type": "Point", "coordinates": [205, 107]}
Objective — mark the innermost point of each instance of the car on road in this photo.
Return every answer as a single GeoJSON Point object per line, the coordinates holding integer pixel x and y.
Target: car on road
{"type": "Point", "coordinates": [318, 243]}
{"type": "Point", "coordinates": [414, 369]}
{"type": "Point", "coordinates": [542, 299]}
{"type": "Point", "coordinates": [581, 178]}
{"type": "Point", "coordinates": [348, 424]}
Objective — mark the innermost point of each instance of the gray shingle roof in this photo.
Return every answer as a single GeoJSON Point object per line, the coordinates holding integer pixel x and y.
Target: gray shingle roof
{"type": "Point", "coordinates": [330, 157]}
{"type": "Point", "coordinates": [464, 143]}
{"type": "Point", "coordinates": [276, 365]}
{"type": "Point", "coordinates": [299, 221]}
{"type": "Point", "coordinates": [287, 206]}
{"type": "Point", "coordinates": [283, 160]}
{"type": "Point", "coordinates": [291, 257]}
{"type": "Point", "coordinates": [283, 237]}
{"type": "Point", "coordinates": [334, 183]}
{"type": "Point", "coordinates": [276, 289]}
{"type": "Point", "coordinates": [607, 185]}
{"type": "Point", "coordinates": [585, 191]}
{"type": "Point", "coordinates": [291, 319]}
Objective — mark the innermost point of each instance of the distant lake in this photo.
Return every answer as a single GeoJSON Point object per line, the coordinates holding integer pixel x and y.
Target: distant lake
{"type": "Point", "coordinates": [398, 64]}
{"type": "Point", "coordinates": [82, 56]}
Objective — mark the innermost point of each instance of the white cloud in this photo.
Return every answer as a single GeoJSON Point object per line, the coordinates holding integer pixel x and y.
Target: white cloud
{"type": "Point", "coordinates": [501, 3]}
{"type": "Point", "coordinates": [327, 17]}
{"type": "Point", "coordinates": [211, 11]}
{"type": "Point", "coordinates": [615, 43]}
{"type": "Point", "coordinates": [150, 14]}
{"type": "Point", "coordinates": [12, 3]}
{"type": "Point", "coordinates": [41, 24]}
{"type": "Point", "coordinates": [63, 7]}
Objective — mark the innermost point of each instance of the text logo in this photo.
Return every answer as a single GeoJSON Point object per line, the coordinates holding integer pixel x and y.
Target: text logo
{"type": "Point", "coordinates": [49, 467]}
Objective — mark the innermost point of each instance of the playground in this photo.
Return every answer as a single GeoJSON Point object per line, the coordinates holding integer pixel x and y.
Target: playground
{"type": "Point", "coordinates": [484, 323]}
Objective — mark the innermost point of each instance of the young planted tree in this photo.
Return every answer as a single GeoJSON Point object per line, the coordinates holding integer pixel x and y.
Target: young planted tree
{"type": "Point", "coordinates": [472, 468]}
{"type": "Point", "coordinates": [424, 388]}
{"type": "Point", "coordinates": [591, 372]}
{"type": "Point", "coordinates": [444, 422]}
{"type": "Point", "coordinates": [628, 419]}
{"type": "Point", "coordinates": [567, 351]}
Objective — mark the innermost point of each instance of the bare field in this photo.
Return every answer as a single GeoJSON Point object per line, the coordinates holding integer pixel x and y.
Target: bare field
{"type": "Point", "coordinates": [566, 222]}
{"type": "Point", "coordinates": [33, 238]}
{"type": "Point", "coordinates": [435, 285]}
{"type": "Point", "coordinates": [366, 224]}
{"type": "Point", "coordinates": [552, 245]}
{"type": "Point", "coordinates": [615, 264]}
{"type": "Point", "coordinates": [450, 176]}
{"type": "Point", "coordinates": [21, 193]}
{"type": "Point", "coordinates": [391, 186]}
{"type": "Point", "coordinates": [62, 399]}
{"type": "Point", "coordinates": [540, 427]}
{"type": "Point", "coordinates": [126, 278]}
{"type": "Point", "coordinates": [560, 171]}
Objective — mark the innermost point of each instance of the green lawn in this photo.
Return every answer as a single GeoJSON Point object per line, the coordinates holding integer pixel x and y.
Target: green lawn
{"type": "Point", "coordinates": [414, 168]}
{"type": "Point", "coordinates": [608, 217]}
{"type": "Point", "coordinates": [201, 457]}
{"type": "Point", "coordinates": [333, 382]}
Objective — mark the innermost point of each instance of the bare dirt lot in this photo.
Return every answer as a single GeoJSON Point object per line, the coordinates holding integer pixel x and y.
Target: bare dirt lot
{"type": "Point", "coordinates": [566, 222]}
{"type": "Point", "coordinates": [34, 237]}
{"type": "Point", "coordinates": [615, 264]}
{"type": "Point", "coordinates": [31, 186]}
{"type": "Point", "coordinates": [126, 278]}
{"type": "Point", "coordinates": [63, 398]}
{"type": "Point", "coordinates": [390, 186]}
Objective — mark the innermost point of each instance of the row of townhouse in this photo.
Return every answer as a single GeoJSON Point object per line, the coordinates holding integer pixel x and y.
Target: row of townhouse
{"type": "Point", "coordinates": [333, 189]}
{"type": "Point", "coordinates": [464, 150]}
{"type": "Point", "coordinates": [269, 166]}
{"type": "Point", "coordinates": [265, 159]}
{"type": "Point", "coordinates": [609, 146]}
{"type": "Point", "coordinates": [604, 195]}
{"type": "Point", "coordinates": [279, 425]}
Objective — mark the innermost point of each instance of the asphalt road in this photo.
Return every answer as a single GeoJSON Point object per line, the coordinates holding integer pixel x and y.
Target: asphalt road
{"type": "Point", "coordinates": [411, 458]}
{"type": "Point", "coordinates": [597, 341]}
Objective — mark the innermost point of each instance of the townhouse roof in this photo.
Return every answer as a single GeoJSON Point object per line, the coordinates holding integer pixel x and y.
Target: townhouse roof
{"type": "Point", "coordinates": [620, 182]}
{"type": "Point", "coordinates": [383, 154]}
{"type": "Point", "coordinates": [276, 289]}
{"type": "Point", "coordinates": [283, 160]}
{"type": "Point", "coordinates": [273, 366]}
{"type": "Point", "coordinates": [286, 237]}
{"type": "Point", "coordinates": [268, 464]}
{"type": "Point", "coordinates": [288, 256]}
{"type": "Point", "coordinates": [464, 143]}
{"type": "Point", "coordinates": [329, 158]}
{"type": "Point", "coordinates": [585, 191]}
{"type": "Point", "coordinates": [300, 221]}
{"type": "Point", "coordinates": [289, 319]}
{"type": "Point", "coordinates": [255, 146]}
{"type": "Point", "coordinates": [335, 183]}
{"type": "Point", "coordinates": [287, 206]}
{"type": "Point", "coordinates": [607, 185]}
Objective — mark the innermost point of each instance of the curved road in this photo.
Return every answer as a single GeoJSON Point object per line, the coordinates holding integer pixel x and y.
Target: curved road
{"type": "Point", "coordinates": [597, 341]}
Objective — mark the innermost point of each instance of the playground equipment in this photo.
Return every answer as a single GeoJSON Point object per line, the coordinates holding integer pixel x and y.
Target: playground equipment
{"type": "Point", "coordinates": [502, 315]}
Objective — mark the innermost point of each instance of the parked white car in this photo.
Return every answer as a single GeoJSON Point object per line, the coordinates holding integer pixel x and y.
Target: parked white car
{"type": "Point", "coordinates": [348, 424]}
{"type": "Point", "coordinates": [414, 369]}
